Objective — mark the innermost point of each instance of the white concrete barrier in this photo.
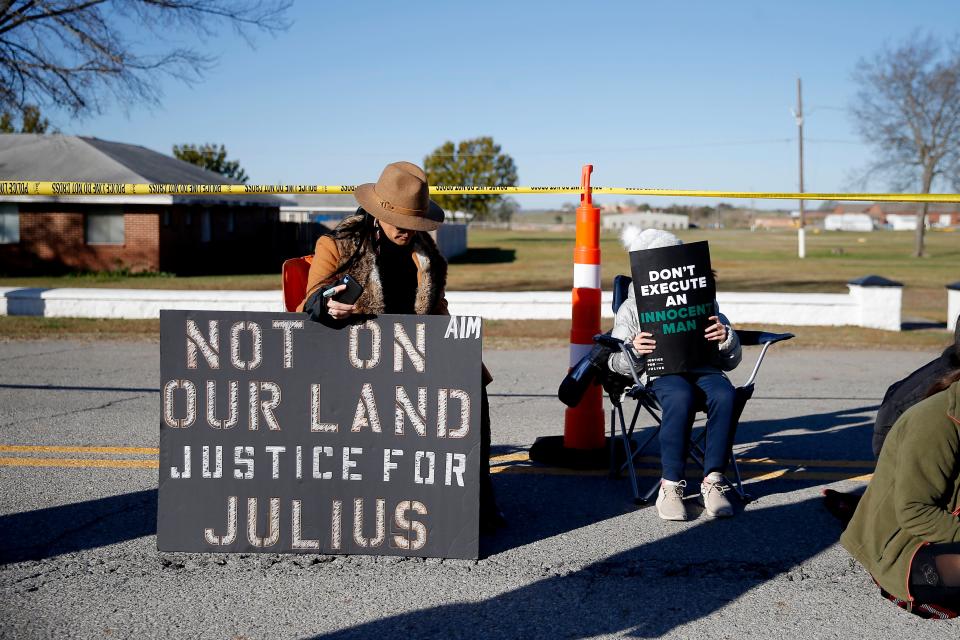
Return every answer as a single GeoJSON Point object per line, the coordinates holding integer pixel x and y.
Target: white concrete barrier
{"type": "Point", "coordinates": [130, 303]}
{"type": "Point", "coordinates": [872, 302]}
{"type": "Point", "coordinates": [953, 305]}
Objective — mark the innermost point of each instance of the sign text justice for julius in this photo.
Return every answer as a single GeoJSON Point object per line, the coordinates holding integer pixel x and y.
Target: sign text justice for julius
{"type": "Point", "coordinates": [333, 457]}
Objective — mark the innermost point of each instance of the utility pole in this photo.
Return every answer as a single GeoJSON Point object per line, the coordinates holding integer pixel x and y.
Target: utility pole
{"type": "Point", "coordinates": [801, 232]}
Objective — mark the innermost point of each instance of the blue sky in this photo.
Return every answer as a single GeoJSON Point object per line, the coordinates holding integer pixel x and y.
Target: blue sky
{"type": "Point", "coordinates": [692, 95]}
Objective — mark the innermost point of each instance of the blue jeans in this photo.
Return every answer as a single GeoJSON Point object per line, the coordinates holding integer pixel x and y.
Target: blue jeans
{"type": "Point", "coordinates": [679, 395]}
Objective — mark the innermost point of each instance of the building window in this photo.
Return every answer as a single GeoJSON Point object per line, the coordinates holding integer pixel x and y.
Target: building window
{"type": "Point", "coordinates": [166, 217]}
{"type": "Point", "coordinates": [105, 227]}
{"type": "Point", "coordinates": [9, 224]}
{"type": "Point", "coordinates": [205, 226]}
{"type": "Point", "coordinates": [231, 224]}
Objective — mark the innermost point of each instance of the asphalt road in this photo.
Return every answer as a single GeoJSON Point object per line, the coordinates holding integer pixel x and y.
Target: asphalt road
{"type": "Point", "coordinates": [78, 555]}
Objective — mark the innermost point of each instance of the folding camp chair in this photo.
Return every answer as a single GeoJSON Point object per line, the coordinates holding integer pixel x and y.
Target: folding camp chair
{"type": "Point", "coordinates": [618, 387]}
{"type": "Point", "coordinates": [294, 275]}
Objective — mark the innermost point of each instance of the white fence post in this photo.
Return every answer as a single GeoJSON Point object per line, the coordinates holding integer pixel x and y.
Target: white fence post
{"type": "Point", "coordinates": [879, 301]}
{"type": "Point", "coordinates": [953, 305]}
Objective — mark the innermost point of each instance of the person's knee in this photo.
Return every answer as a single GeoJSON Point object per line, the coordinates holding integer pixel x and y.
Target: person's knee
{"type": "Point", "coordinates": [675, 396]}
{"type": "Point", "coordinates": [722, 397]}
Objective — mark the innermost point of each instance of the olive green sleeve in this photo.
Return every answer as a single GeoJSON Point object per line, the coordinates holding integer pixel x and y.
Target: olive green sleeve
{"type": "Point", "coordinates": [926, 471]}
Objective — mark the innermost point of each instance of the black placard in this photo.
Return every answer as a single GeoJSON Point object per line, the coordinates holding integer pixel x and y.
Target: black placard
{"type": "Point", "coordinates": [362, 440]}
{"type": "Point", "coordinates": [675, 293]}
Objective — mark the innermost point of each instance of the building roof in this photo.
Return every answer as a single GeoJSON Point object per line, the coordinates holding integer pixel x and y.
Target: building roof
{"type": "Point", "coordinates": [29, 156]}
{"type": "Point", "coordinates": [325, 200]}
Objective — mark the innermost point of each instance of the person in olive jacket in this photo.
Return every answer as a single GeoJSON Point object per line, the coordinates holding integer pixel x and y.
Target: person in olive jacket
{"type": "Point", "coordinates": [905, 530]}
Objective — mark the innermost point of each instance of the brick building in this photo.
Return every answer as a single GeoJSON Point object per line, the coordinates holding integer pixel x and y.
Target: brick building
{"type": "Point", "coordinates": [176, 234]}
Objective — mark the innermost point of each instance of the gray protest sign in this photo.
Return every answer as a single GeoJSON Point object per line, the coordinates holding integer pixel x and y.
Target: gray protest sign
{"type": "Point", "coordinates": [281, 435]}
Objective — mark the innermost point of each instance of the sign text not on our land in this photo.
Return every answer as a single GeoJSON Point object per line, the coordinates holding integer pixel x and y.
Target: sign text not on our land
{"type": "Point", "coordinates": [281, 435]}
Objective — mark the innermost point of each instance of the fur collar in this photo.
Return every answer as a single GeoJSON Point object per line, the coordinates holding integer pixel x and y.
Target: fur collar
{"type": "Point", "coordinates": [431, 272]}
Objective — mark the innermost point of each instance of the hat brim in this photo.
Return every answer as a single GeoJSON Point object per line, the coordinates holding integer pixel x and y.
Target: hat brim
{"type": "Point", "coordinates": [368, 199]}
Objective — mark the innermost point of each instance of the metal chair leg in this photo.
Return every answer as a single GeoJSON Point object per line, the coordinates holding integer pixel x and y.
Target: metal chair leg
{"type": "Point", "coordinates": [629, 455]}
{"type": "Point", "coordinates": [738, 487]}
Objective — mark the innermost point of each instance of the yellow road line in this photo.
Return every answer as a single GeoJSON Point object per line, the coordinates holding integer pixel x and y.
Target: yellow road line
{"type": "Point", "coordinates": [23, 448]}
{"type": "Point", "coordinates": [500, 464]}
{"type": "Point", "coordinates": [841, 464]}
{"type": "Point", "coordinates": [785, 474]}
{"type": "Point", "coordinates": [79, 462]}
{"type": "Point", "coordinates": [790, 462]}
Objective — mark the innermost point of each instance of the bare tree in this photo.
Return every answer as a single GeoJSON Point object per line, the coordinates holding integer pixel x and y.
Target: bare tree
{"type": "Point", "coordinates": [908, 109]}
{"type": "Point", "coordinates": [72, 54]}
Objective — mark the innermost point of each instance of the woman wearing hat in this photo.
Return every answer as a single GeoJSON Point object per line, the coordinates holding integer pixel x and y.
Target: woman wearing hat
{"type": "Point", "coordinates": [387, 249]}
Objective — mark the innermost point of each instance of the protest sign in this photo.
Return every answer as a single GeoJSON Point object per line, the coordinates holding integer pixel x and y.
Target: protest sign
{"type": "Point", "coordinates": [278, 434]}
{"type": "Point", "coordinates": [675, 293]}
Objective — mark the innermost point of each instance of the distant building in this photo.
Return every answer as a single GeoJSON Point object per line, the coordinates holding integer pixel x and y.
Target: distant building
{"type": "Point", "coordinates": [905, 222]}
{"type": "Point", "coordinates": [898, 215]}
{"type": "Point", "coordinates": [773, 222]}
{"type": "Point", "coordinates": [646, 219]}
{"type": "Point", "coordinates": [177, 234]}
{"type": "Point", "coordinates": [330, 209]}
{"type": "Point", "coordinates": [849, 222]}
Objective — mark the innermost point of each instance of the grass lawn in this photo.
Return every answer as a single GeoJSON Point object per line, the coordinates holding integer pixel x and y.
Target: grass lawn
{"type": "Point", "coordinates": [744, 261]}
{"type": "Point", "coordinates": [529, 261]}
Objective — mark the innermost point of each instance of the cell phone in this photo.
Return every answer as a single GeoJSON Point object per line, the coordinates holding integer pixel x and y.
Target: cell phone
{"type": "Point", "coordinates": [352, 293]}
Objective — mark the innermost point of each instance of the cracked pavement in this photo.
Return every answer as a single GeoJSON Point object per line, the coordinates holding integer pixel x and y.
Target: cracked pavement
{"type": "Point", "coordinates": [78, 554]}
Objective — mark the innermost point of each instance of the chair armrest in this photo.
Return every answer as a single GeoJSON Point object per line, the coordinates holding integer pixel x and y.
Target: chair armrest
{"type": "Point", "coordinates": [616, 344]}
{"type": "Point", "coordinates": [759, 337]}
{"type": "Point", "coordinates": [754, 338]}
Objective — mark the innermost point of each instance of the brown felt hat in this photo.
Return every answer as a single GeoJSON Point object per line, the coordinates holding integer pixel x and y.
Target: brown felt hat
{"type": "Point", "coordinates": [401, 197]}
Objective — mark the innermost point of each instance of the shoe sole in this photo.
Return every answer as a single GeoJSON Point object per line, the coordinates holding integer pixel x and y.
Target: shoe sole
{"type": "Point", "coordinates": [682, 518]}
{"type": "Point", "coordinates": [717, 514]}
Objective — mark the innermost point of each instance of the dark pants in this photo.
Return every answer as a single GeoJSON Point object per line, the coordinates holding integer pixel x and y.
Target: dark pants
{"type": "Point", "coordinates": [679, 396]}
{"type": "Point", "coordinates": [927, 585]}
{"type": "Point", "coordinates": [488, 505]}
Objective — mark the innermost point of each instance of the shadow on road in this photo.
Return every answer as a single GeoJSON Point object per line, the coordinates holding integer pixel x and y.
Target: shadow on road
{"type": "Point", "coordinates": [844, 433]}
{"type": "Point", "coordinates": [646, 591]}
{"type": "Point", "coordinates": [45, 533]}
{"type": "Point", "coordinates": [538, 506]}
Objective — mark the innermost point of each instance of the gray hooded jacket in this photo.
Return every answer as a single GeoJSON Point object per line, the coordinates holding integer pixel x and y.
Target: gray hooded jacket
{"type": "Point", "coordinates": [627, 325]}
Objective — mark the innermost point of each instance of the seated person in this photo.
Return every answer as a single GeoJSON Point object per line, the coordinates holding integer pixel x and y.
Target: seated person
{"type": "Point", "coordinates": [679, 394]}
{"type": "Point", "coordinates": [905, 530]}
{"type": "Point", "coordinates": [903, 394]}
{"type": "Point", "coordinates": [900, 396]}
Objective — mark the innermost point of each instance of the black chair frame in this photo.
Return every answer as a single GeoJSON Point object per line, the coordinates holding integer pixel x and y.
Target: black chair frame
{"type": "Point", "coordinates": [618, 387]}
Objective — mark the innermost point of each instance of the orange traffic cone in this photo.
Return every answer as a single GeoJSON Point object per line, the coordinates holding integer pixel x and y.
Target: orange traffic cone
{"type": "Point", "coordinates": [583, 443]}
{"type": "Point", "coordinates": [583, 424]}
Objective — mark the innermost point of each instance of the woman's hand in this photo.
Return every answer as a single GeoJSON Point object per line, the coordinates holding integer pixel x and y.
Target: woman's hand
{"type": "Point", "coordinates": [643, 343]}
{"type": "Point", "coordinates": [716, 330]}
{"type": "Point", "coordinates": [338, 310]}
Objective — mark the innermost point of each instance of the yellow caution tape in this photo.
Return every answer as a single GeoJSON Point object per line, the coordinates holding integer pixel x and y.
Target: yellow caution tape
{"type": "Point", "coordinates": [42, 188]}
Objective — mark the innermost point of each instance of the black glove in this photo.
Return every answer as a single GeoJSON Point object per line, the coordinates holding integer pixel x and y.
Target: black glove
{"type": "Point", "coordinates": [316, 309]}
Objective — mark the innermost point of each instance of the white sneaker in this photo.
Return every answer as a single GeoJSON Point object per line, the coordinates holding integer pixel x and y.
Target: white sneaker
{"type": "Point", "coordinates": [670, 500]}
{"type": "Point", "coordinates": [712, 491]}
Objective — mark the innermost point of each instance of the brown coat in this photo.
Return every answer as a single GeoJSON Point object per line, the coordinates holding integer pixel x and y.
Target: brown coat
{"type": "Point", "coordinates": [330, 253]}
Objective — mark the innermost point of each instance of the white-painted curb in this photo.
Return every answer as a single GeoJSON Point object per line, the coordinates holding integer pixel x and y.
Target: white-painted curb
{"type": "Point", "coordinates": [863, 306]}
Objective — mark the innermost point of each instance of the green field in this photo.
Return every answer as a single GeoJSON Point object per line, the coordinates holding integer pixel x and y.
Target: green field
{"type": "Point", "coordinates": [744, 261]}
{"type": "Point", "coordinates": [500, 260]}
